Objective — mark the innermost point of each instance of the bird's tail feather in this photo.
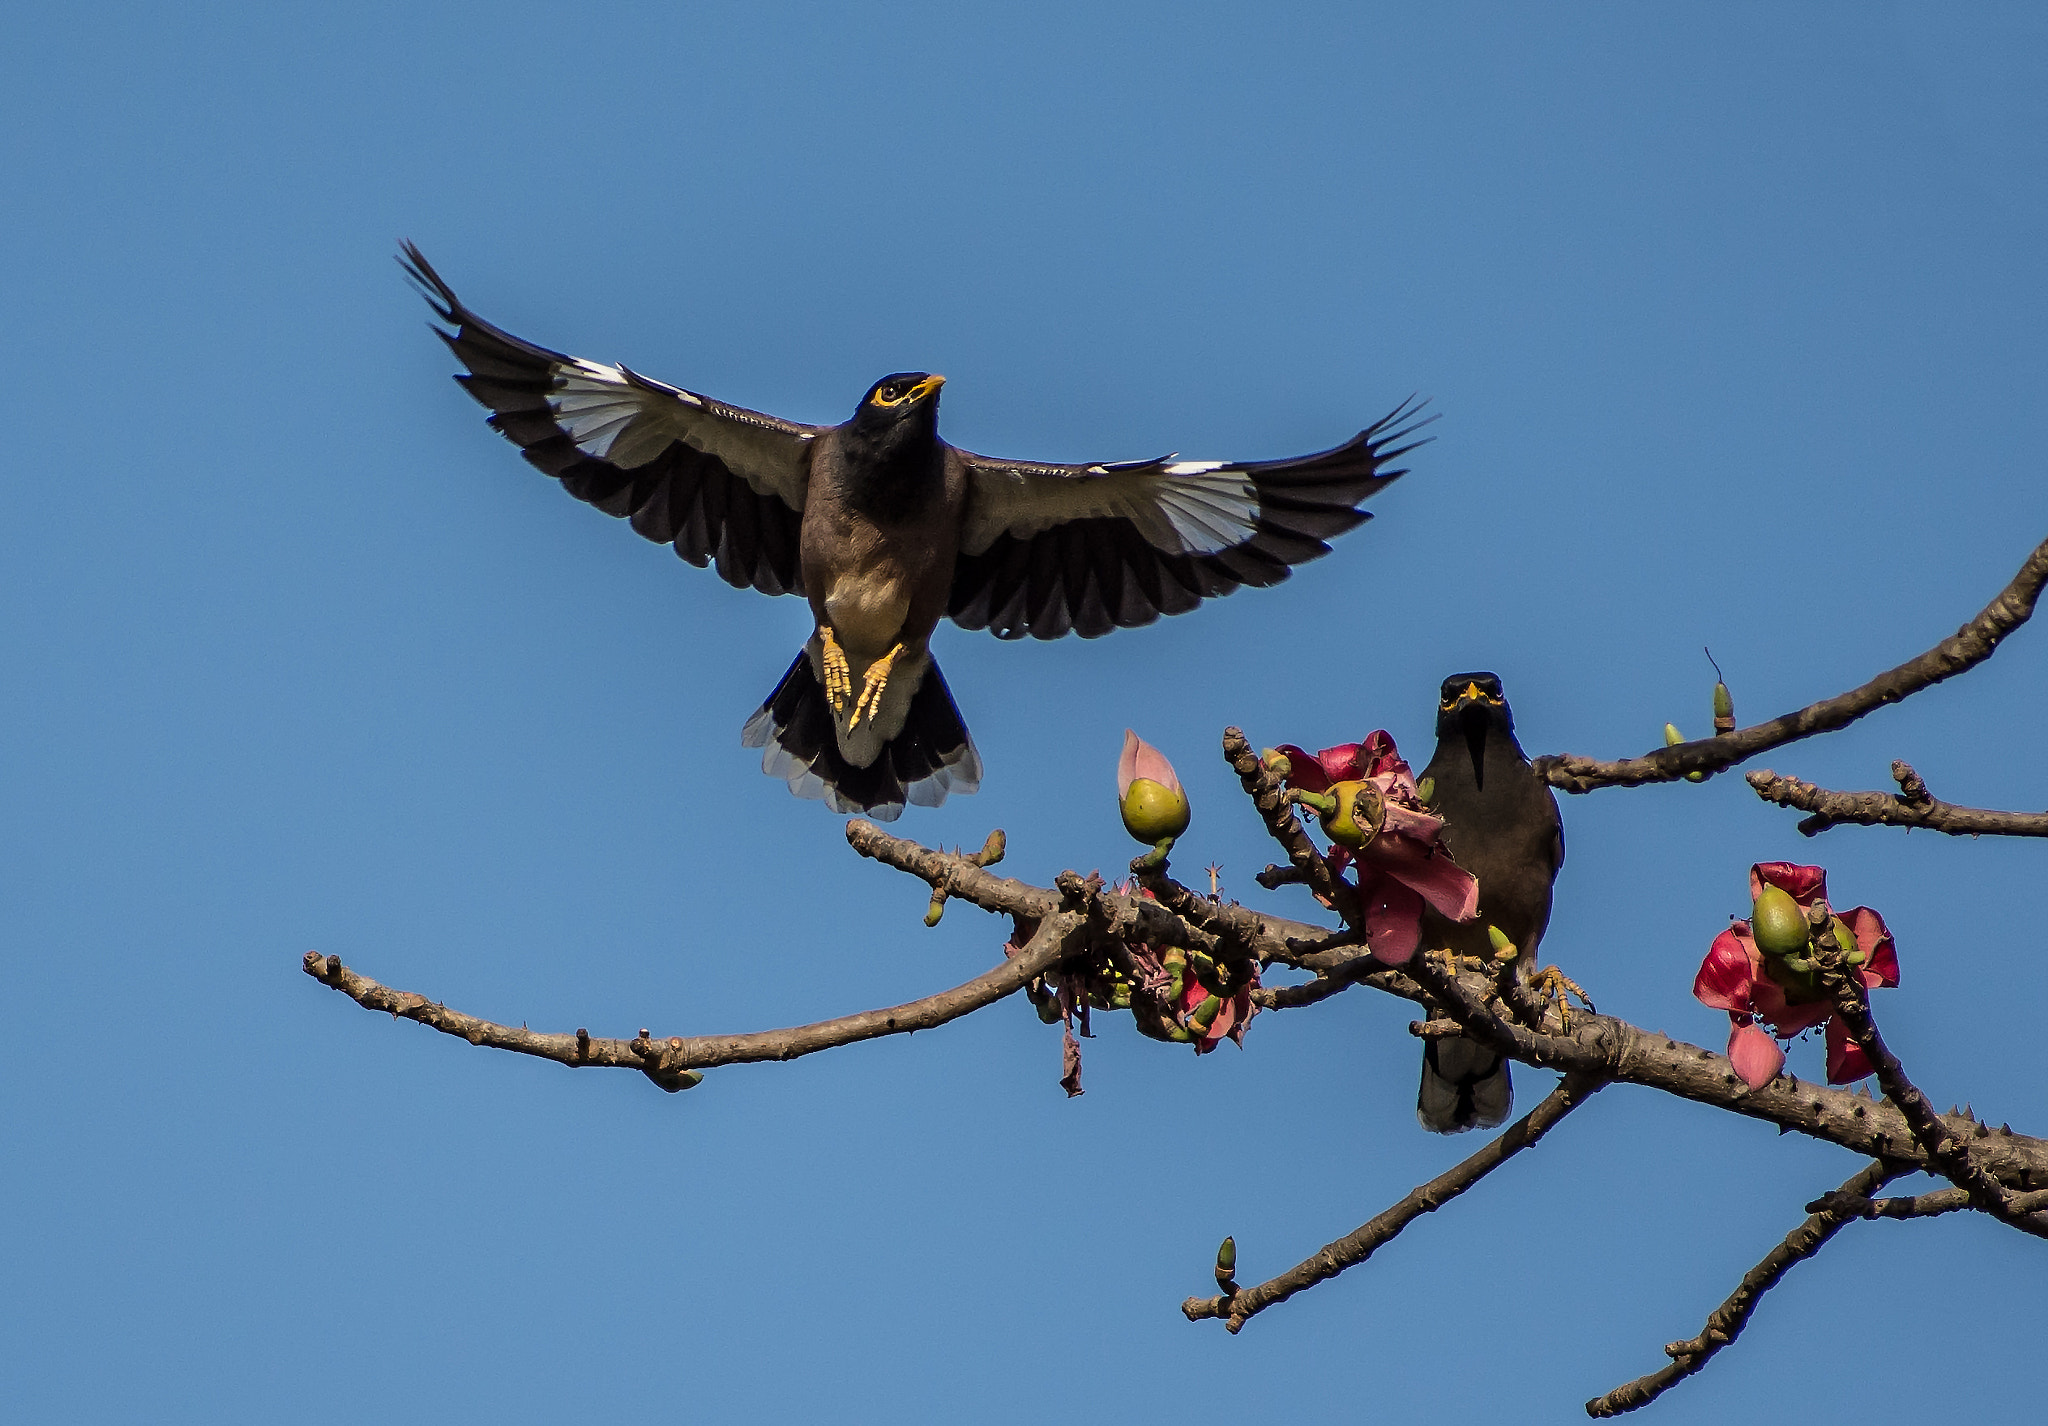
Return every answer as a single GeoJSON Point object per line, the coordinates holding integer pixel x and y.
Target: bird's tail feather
{"type": "Point", "coordinates": [1464, 1086]}
{"type": "Point", "coordinates": [931, 757]}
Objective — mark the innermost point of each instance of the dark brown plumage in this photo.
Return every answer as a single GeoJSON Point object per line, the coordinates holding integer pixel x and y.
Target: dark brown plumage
{"type": "Point", "coordinates": [1501, 823]}
{"type": "Point", "coordinates": [886, 529]}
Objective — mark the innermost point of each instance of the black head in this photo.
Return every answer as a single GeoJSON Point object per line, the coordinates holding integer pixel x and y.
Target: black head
{"type": "Point", "coordinates": [1473, 705]}
{"type": "Point", "coordinates": [901, 398]}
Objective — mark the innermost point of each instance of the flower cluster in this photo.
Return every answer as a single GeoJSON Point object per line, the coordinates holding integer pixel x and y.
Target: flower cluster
{"type": "Point", "coordinates": [1402, 863]}
{"type": "Point", "coordinates": [1761, 971]}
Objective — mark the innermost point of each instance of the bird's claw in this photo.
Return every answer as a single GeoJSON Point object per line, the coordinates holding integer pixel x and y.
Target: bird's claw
{"type": "Point", "coordinates": [1453, 962]}
{"type": "Point", "coordinates": [1553, 983]}
{"type": "Point", "coordinates": [871, 687]}
{"type": "Point", "coordinates": [838, 673]}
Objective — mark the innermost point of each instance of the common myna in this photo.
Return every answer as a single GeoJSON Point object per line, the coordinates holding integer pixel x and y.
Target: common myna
{"type": "Point", "coordinates": [885, 529]}
{"type": "Point", "coordinates": [1501, 824]}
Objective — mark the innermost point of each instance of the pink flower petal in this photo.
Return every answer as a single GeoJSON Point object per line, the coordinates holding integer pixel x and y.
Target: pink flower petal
{"type": "Point", "coordinates": [1140, 759]}
{"type": "Point", "coordinates": [1846, 1061]}
{"type": "Point", "coordinates": [1380, 757]}
{"type": "Point", "coordinates": [1756, 1055]}
{"type": "Point", "coordinates": [1445, 885]}
{"type": "Point", "coordinates": [1393, 918]}
{"type": "Point", "coordinates": [1407, 822]}
{"type": "Point", "coordinates": [1874, 939]}
{"type": "Point", "coordinates": [1804, 884]}
{"type": "Point", "coordinates": [1728, 973]}
{"type": "Point", "coordinates": [1303, 770]}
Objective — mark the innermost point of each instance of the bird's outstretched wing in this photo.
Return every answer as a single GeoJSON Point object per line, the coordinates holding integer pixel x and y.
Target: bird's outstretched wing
{"type": "Point", "coordinates": [1052, 549]}
{"type": "Point", "coordinates": [716, 481]}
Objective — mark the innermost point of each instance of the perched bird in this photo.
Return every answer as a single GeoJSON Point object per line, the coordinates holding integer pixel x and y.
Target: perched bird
{"type": "Point", "coordinates": [886, 529]}
{"type": "Point", "coordinates": [1501, 824]}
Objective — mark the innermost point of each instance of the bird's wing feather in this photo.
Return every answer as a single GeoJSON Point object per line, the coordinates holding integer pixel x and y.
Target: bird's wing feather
{"type": "Point", "coordinates": [718, 482]}
{"type": "Point", "coordinates": [1051, 549]}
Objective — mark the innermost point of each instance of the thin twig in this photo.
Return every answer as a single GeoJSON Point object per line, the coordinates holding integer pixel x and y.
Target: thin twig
{"type": "Point", "coordinates": [1239, 1307]}
{"type": "Point", "coordinates": [1948, 1152]}
{"type": "Point", "coordinates": [668, 1062]}
{"type": "Point", "coordinates": [1912, 806]}
{"type": "Point", "coordinates": [1725, 1323]}
{"type": "Point", "coordinates": [1968, 647]}
{"type": "Point", "coordinates": [1925, 1205]}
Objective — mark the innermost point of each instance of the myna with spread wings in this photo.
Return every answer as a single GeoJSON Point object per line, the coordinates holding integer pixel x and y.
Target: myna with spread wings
{"type": "Point", "coordinates": [886, 529]}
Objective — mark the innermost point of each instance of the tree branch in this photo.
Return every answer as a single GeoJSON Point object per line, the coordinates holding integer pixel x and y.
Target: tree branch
{"type": "Point", "coordinates": [1726, 1322]}
{"type": "Point", "coordinates": [1237, 1308]}
{"type": "Point", "coordinates": [1968, 647]}
{"type": "Point", "coordinates": [1925, 1205]}
{"type": "Point", "coordinates": [1912, 806]}
{"type": "Point", "coordinates": [1947, 1151]}
{"type": "Point", "coordinates": [672, 1063]}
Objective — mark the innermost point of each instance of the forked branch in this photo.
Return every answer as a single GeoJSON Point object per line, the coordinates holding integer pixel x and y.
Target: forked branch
{"type": "Point", "coordinates": [1911, 806]}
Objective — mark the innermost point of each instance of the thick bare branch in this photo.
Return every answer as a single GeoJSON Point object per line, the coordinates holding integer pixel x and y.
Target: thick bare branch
{"type": "Point", "coordinates": [1726, 1322]}
{"type": "Point", "coordinates": [1273, 939]}
{"type": "Point", "coordinates": [1912, 806]}
{"type": "Point", "coordinates": [1968, 647]}
{"type": "Point", "coordinates": [1598, 1045]}
{"type": "Point", "coordinates": [672, 1062]}
{"type": "Point", "coordinates": [1237, 1308]}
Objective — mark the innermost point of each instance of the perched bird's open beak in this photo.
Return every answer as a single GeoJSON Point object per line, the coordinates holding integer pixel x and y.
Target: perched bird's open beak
{"type": "Point", "coordinates": [926, 387]}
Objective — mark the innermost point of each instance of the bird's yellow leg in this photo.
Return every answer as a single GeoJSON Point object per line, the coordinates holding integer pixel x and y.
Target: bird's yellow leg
{"type": "Point", "coordinates": [1552, 982]}
{"type": "Point", "coordinates": [871, 687]}
{"type": "Point", "coordinates": [838, 674]}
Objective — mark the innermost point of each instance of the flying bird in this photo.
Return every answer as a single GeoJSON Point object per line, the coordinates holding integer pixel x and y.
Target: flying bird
{"type": "Point", "coordinates": [886, 529]}
{"type": "Point", "coordinates": [1501, 824]}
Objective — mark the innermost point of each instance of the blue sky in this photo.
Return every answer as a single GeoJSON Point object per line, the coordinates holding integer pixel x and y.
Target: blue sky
{"type": "Point", "coordinates": [1736, 324]}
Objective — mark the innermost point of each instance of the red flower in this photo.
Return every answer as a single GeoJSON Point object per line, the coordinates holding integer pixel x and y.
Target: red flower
{"type": "Point", "coordinates": [1407, 864]}
{"type": "Point", "coordinates": [1738, 978]}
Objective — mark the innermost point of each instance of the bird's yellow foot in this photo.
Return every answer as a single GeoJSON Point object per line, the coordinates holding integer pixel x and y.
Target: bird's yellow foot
{"type": "Point", "coordinates": [838, 674]}
{"type": "Point", "coordinates": [871, 687]}
{"type": "Point", "coordinates": [1553, 983]}
{"type": "Point", "coordinates": [1453, 962]}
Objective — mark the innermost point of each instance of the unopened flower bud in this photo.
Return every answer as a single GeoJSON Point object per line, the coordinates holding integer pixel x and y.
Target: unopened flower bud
{"type": "Point", "coordinates": [1226, 1263]}
{"type": "Point", "coordinates": [1724, 709]}
{"type": "Point", "coordinates": [1503, 948]}
{"type": "Point", "coordinates": [1148, 794]}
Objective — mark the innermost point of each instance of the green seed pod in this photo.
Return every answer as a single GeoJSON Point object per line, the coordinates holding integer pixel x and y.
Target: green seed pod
{"type": "Point", "coordinates": [1356, 816]}
{"type": "Point", "coordinates": [1226, 1260]}
{"type": "Point", "coordinates": [1425, 790]}
{"type": "Point", "coordinates": [1724, 709]}
{"type": "Point", "coordinates": [1778, 924]}
{"type": "Point", "coordinates": [1844, 937]}
{"type": "Point", "coordinates": [1205, 1015]}
{"type": "Point", "coordinates": [1503, 948]}
{"type": "Point", "coordinates": [1672, 737]}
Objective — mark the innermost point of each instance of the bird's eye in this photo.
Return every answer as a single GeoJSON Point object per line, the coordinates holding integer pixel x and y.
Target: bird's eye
{"type": "Point", "coordinates": [890, 394]}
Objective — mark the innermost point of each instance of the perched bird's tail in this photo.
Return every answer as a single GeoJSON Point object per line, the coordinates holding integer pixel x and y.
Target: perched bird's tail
{"type": "Point", "coordinates": [930, 756]}
{"type": "Point", "coordinates": [1464, 1086]}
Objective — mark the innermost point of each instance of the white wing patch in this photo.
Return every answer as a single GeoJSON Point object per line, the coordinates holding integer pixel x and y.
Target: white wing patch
{"type": "Point", "coordinates": [611, 418]}
{"type": "Point", "coordinates": [1195, 507]}
{"type": "Point", "coordinates": [620, 416]}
